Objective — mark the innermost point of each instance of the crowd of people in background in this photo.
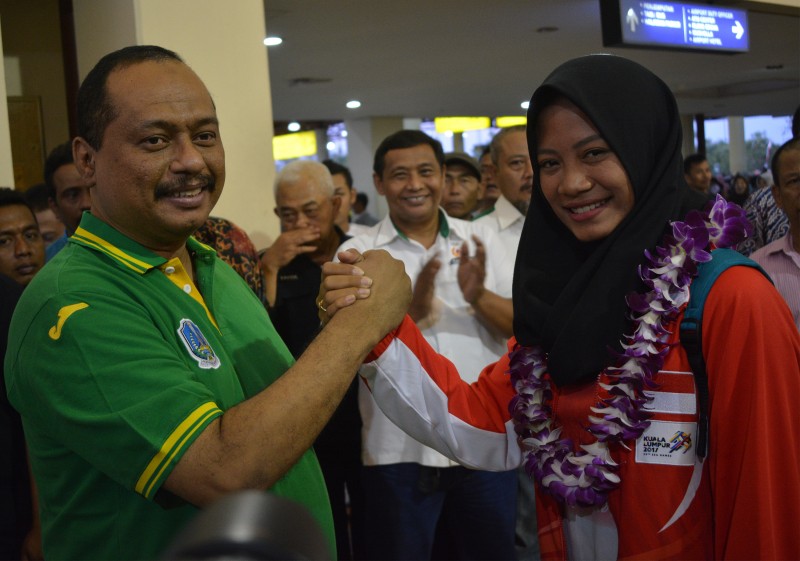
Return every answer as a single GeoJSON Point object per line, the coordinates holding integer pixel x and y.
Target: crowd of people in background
{"type": "Point", "coordinates": [455, 220]}
{"type": "Point", "coordinates": [739, 186]}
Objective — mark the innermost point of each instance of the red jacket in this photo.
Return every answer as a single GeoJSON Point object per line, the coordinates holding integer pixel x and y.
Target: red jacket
{"type": "Point", "coordinates": [744, 502]}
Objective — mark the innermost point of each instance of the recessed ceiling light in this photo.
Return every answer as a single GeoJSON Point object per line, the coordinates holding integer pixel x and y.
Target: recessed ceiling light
{"type": "Point", "coordinates": [294, 126]}
{"type": "Point", "coordinates": [331, 146]}
{"type": "Point", "coordinates": [525, 104]}
{"type": "Point", "coordinates": [272, 41]}
{"type": "Point", "coordinates": [344, 134]}
{"type": "Point", "coordinates": [353, 104]}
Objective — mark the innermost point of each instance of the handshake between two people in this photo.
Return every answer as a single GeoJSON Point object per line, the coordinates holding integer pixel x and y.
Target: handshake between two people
{"type": "Point", "coordinates": [371, 289]}
{"type": "Point", "coordinates": [375, 287]}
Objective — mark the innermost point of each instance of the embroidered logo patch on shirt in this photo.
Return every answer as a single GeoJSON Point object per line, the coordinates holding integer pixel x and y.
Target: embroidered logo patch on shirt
{"type": "Point", "coordinates": [455, 252]}
{"type": "Point", "coordinates": [197, 345]}
{"type": "Point", "coordinates": [667, 443]}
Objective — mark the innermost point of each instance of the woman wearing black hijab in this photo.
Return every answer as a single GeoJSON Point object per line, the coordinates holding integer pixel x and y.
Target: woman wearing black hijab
{"type": "Point", "coordinates": [595, 396]}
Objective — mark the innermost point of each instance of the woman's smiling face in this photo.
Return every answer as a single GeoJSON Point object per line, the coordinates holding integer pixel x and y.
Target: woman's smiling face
{"type": "Point", "coordinates": [582, 179]}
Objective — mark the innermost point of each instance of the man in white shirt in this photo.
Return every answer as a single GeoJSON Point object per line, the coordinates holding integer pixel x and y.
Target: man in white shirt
{"type": "Point", "coordinates": [513, 174]}
{"type": "Point", "coordinates": [461, 303]}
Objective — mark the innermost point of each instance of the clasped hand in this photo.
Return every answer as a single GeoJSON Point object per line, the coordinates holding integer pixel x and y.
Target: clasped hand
{"type": "Point", "coordinates": [374, 281]}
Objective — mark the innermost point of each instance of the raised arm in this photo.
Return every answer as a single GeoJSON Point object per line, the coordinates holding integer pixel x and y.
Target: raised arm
{"type": "Point", "coordinates": [253, 444]}
{"type": "Point", "coordinates": [422, 392]}
{"type": "Point", "coordinates": [286, 247]}
{"type": "Point", "coordinates": [493, 310]}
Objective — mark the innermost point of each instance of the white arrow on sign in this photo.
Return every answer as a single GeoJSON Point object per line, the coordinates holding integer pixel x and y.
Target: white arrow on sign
{"type": "Point", "coordinates": [633, 20]}
{"type": "Point", "coordinates": [738, 30]}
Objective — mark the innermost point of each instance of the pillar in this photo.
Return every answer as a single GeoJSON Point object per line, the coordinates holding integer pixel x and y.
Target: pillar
{"type": "Point", "coordinates": [322, 143]}
{"type": "Point", "coordinates": [458, 142]}
{"type": "Point", "coordinates": [687, 123]}
{"type": "Point", "coordinates": [363, 137]}
{"type": "Point", "coordinates": [6, 163]}
{"type": "Point", "coordinates": [700, 125]}
{"type": "Point", "coordinates": [736, 145]}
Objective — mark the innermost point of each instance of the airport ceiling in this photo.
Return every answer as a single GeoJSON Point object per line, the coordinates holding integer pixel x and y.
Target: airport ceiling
{"type": "Point", "coordinates": [428, 58]}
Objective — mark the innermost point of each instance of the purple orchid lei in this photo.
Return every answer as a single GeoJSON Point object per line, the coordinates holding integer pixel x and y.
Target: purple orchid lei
{"type": "Point", "coordinates": [586, 477]}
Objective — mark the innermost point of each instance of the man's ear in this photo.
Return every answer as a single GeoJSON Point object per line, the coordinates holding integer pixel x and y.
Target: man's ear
{"type": "Point", "coordinates": [378, 183]}
{"type": "Point", "coordinates": [83, 154]}
{"type": "Point", "coordinates": [337, 203]}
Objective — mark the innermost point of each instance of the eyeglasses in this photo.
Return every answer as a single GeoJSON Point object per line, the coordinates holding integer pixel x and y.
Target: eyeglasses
{"type": "Point", "coordinates": [312, 211]}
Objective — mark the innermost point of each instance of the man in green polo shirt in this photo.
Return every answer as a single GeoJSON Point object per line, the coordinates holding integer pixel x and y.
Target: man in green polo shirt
{"type": "Point", "coordinates": [149, 377]}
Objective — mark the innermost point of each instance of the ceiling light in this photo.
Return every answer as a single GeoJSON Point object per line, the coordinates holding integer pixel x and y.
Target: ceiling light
{"type": "Point", "coordinates": [353, 104]}
{"type": "Point", "coordinates": [525, 104]}
{"type": "Point", "coordinates": [460, 124]}
{"type": "Point", "coordinates": [331, 146]}
{"type": "Point", "coordinates": [294, 126]}
{"type": "Point", "coordinates": [344, 134]}
{"type": "Point", "coordinates": [272, 41]}
{"type": "Point", "coordinates": [510, 121]}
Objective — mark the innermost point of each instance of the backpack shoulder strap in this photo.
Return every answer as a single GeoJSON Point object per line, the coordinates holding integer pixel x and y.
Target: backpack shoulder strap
{"type": "Point", "coordinates": [691, 329]}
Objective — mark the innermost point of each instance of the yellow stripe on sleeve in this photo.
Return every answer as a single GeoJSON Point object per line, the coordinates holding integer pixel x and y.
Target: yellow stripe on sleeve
{"type": "Point", "coordinates": [172, 445]}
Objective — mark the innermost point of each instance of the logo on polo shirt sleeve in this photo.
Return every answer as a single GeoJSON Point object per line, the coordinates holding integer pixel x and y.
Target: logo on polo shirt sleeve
{"type": "Point", "coordinates": [63, 315]}
{"type": "Point", "coordinates": [197, 345]}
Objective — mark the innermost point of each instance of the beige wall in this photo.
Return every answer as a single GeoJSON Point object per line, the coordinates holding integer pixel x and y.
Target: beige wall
{"type": "Point", "coordinates": [6, 165]}
{"type": "Point", "coordinates": [222, 42]}
{"type": "Point", "coordinates": [101, 26]}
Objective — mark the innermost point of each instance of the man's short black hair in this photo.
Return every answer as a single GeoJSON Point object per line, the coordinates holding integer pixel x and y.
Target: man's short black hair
{"type": "Point", "coordinates": [95, 110]}
{"type": "Point", "coordinates": [405, 139]}
{"type": "Point", "coordinates": [362, 198]}
{"type": "Point", "coordinates": [61, 155]}
{"type": "Point", "coordinates": [693, 160]}
{"type": "Point", "coordinates": [494, 145]}
{"type": "Point", "coordinates": [338, 169]}
{"type": "Point", "coordinates": [38, 197]}
{"type": "Point", "coordinates": [12, 197]}
{"type": "Point", "coordinates": [793, 144]}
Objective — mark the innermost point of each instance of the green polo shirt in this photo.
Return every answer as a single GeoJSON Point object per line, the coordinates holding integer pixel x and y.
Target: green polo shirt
{"type": "Point", "coordinates": [117, 361]}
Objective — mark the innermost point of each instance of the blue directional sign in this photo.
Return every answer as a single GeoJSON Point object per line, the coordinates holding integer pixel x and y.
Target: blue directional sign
{"type": "Point", "coordinates": [674, 25]}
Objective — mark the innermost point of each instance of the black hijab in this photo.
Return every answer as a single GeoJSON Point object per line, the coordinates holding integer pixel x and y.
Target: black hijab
{"type": "Point", "coordinates": [569, 296]}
